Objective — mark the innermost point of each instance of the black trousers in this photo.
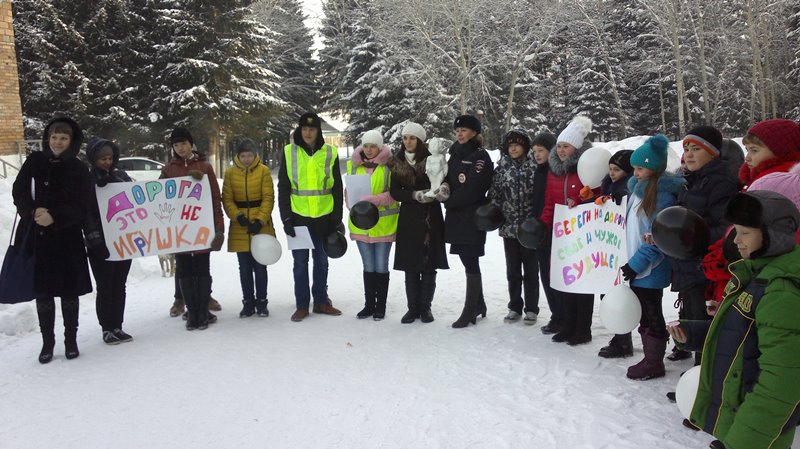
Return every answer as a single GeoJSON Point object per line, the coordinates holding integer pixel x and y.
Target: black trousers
{"type": "Point", "coordinates": [652, 310]}
{"type": "Point", "coordinates": [522, 273]}
{"type": "Point", "coordinates": [188, 265]}
{"type": "Point", "coordinates": [554, 301]}
{"type": "Point", "coordinates": [110, 277]}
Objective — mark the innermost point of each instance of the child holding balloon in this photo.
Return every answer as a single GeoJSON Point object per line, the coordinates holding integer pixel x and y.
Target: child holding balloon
{"type": "Point", "coordinates": [375, 243]}
{"type": "Point", "coordinates": [648, 270]}
{"type": "Point", "coordinates": [748, 393]}
{"type": "Point", "coordinates": [248, 198]}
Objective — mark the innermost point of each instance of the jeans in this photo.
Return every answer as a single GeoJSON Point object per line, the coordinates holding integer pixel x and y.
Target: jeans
{"type": "Point", "coordinates": [375, 256]}
{"type": "Point", "coordinates": [247, 268]}
{"type": "Point", "coordinates": [319, 288]}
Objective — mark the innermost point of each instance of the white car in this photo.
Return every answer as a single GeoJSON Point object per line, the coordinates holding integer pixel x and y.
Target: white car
{"type": "Point", "coordinates": [140, 168]}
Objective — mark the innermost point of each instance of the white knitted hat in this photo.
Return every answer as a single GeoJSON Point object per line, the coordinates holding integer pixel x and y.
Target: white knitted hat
{"type": "Point", "coordinates": [416, 130]}
{"type": "Point", "coordinates": [577, 130]}
{"type": "Point", "coordinates": [373, 137]}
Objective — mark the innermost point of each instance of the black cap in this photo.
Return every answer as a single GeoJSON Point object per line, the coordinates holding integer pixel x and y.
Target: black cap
{"type": "Point", "coordinates": [519, 137]}
{"type": "Point", "coordinates": [622, 159]}
{"type": "Point", "coordinates": [180, 134]}
{"type": "Point", "coordinates": [545, 139]}
{"type": "Point", "coordinates": [468, 121]}
{"type": "Point", "coordinates": [310, 119]}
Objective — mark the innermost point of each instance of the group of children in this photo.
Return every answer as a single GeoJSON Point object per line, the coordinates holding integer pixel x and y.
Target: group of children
{"type": "Point", "coordinates": [754, 233]}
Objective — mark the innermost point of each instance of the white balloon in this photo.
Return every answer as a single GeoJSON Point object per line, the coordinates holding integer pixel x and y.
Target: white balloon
{"type": "Point", "coordinates": [686, 390]}
{"type": "Point", "coordinates": [265, 248]}
{"type": "Point", "coordinates": [620, 310]}
{"type": "Point", "coordinates": [593, 166]}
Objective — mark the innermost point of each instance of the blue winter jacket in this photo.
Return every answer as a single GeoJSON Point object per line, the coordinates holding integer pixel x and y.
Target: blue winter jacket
{"type": "Point", "coordinates": [669, 186]}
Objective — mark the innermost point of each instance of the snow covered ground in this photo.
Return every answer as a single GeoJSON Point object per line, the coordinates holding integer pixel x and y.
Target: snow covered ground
{"type": "Point", "coordinates": [327, 382]}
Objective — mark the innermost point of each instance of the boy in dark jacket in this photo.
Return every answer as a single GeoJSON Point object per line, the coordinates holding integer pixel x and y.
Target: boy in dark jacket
{"type": "Point", "coordinates": [110, 276]}
{"type": "Point", "coordinates": [512, 185]}
{"type": "Point", "coordinates": [541, 146]}
{"type": "Point", "coordinates": [193, 269]}
{"type": "Point", "coordinates": [52, 194]}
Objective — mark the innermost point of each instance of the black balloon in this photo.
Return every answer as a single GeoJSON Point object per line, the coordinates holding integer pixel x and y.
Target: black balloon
{"type": "Point", "coordinates": [488, 217]}
{"type": "Point", "coordinates": [531, 233]}
{"type": "Point", "coordinates": [335, 245]}
{"type": "Point", "coordinates": [364, 215]}
{"type": "Point", "coordinates": [680, 233]}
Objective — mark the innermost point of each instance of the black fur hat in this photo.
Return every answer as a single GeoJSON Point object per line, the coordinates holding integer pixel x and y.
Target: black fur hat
{"type": "Point", "coordinates": [773, 213]}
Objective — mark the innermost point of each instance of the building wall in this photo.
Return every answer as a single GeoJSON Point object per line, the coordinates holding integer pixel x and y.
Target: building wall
{"type": "Point", "coordinates": [11, 126]}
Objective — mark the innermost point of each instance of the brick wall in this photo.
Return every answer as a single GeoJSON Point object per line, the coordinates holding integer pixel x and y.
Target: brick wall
{"type": "Point", "coordinates": [10, 105]}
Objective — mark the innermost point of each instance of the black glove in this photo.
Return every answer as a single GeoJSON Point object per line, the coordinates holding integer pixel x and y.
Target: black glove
{"type": "Point", "coordinates": [730, 251]}
{"type": "Point", "coordinates": [255, 227]}
{"type": "Point", "coordinates": [242, 220]}
{"type": "Point", "coordinates": [618, 196]}
{"type": "Point", "coordinates": [99, 252]}
{"type": "Point", "coordinates": [103, 181]}
{"type": "Point", "coordinates": [288, 227]}
{"type": "Point", "coordinates": [628, 273]}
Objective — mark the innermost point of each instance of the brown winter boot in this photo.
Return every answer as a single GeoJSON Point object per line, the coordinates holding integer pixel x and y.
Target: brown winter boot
{"type": "Point", "coordinates": [326, 309]}
{"type": "Point", "coordinates": [299, 315]}
{"type": "Point", "coordinates": [178, 307]}
{"type": "Point", "coordinates": [213, 305]}
{"type": "Point", "coordinates": [652, 366]}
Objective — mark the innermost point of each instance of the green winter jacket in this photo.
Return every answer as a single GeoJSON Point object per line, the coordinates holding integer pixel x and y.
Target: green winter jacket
{"type": "Point", "coordinates": [749, 391]}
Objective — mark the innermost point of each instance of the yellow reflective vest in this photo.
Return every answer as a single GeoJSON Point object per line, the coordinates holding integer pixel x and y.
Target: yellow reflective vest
{"type": "Point", "coordinates": [311, 179]}
{"type": "Point", "coordinates": [387, 223]}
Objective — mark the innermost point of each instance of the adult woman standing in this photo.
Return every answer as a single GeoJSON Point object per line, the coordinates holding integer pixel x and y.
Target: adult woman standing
{"type": "Point", "coordinates": [420, 228]}
{"type": "Point", "coordinates": [469, 176]}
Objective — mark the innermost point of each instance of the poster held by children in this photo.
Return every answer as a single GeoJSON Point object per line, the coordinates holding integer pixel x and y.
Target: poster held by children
{"type": "Point", "coordinates": [588, 247]}
{"type": "Point", "coordinates": [156, 217]}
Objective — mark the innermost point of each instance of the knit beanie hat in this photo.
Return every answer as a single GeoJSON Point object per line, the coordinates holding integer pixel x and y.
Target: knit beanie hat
{"type": "Point", "coordinates": [468, 121]}
{"type": "Point", "coordinates": [622, 159]}
{"type": "Point", "coordinates": [246, 145]}
{"type": "Point", "coordinates": [575, 133]}
{"type": "Point", "coordinates": [652, 154]}
{"type": "Point", "coordinates": [416, 130]}
{"type": "Point", "coordinates": [545, 139]}
{"type": "Point", "coordinates": [776, 216]}
{"type": "Point", "coordinates": [310, 119]}
{"type": "Point", "coordinates": [373, 137]}
{"type": "Point", "coordinates": [705, 137]}
{"type": "Point", "coordinates": [519, 137]}
{"type": "Point", "coordinates": [180, 134]}
{"type": "Point", "coordinates": [781, 136]}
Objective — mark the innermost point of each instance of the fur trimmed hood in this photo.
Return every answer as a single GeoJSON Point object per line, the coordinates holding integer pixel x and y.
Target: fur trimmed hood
{"type": "Point", "coordinates": [383, 157]}
{"type": "Point", "coordinates": [561, 168]}
{"type": "Point", "coordinates": [75, 144]}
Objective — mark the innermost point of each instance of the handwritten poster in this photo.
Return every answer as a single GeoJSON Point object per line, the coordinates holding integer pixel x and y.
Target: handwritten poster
{"type": "Point", "coordinates": [588, 247]}
{"type": "Point", "coordinates": [156, 217]}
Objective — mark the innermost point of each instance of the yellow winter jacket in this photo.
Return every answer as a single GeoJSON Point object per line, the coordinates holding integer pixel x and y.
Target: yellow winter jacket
{"type": "Point", "coordinates": [249, 191]}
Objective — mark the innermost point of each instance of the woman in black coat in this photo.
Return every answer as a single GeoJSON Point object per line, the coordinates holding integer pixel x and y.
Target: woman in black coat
{"type": "Point", "coordinates": [52, 195]}
{"type": "Point", "coordinates": [420, 228]}
{"type": "Point", "coordinates": [469, 176]}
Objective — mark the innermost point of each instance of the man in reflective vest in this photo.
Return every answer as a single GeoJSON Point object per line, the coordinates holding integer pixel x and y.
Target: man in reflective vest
{"type": "Point", "coordinates": [310, 195]}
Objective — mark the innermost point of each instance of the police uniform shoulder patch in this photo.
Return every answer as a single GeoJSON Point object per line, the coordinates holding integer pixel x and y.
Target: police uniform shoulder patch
{"type": "Point", "coordinates": [479, 165]}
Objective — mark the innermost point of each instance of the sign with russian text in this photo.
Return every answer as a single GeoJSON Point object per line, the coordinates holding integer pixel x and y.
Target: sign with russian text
{"type": "Point", "coordinates": [588, 247]}
{"type": "Point", "coordinates": [148, 218]}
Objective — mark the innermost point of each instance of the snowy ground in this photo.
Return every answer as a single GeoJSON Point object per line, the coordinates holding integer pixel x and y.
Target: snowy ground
{"type": "Point", "coordinates": [328, 382]}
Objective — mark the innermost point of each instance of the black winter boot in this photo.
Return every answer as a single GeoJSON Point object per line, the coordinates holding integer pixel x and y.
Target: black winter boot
{"type": "Point", "coordinates": [652, 366]}
{"type": "Point", "coordinates": [261, 309]}
{"type": "Point", "coordinates": [413, 288]}
{"type": "Point", "coordinates": [69, 310]}
{"type": "Point", "coordinates": [428, 289]}
{"type": "Point", "coordinates": [583, 323]}
{"type": "Point", "coordinates": [189, 293]}
{"type": "Point", "coordinates": [248, 308]}
{"type": "Point", "coordinates": [470, 311]}
{"type": "Point", "coordinates": [620, 346]}
{"type": "Point", "coordinates": [203, 297]}
{"type": "Point", "coordinates": [46, 310]}
{"type": "Point", "coordinates": [570, 318]}
{"type": "Point", "coordinates": [369, 296]}
{"type": "Point", "coordinates": [381, 283]}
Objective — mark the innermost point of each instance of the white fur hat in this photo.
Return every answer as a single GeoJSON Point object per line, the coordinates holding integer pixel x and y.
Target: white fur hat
{"type": "Point", "coordinates": [416, 130]}
{"type": "Point", "coordinates": [373, 137]}
{"type": "Point", "coordinates": [577, 130]}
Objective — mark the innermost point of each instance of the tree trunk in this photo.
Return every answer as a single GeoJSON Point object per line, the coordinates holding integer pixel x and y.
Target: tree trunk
{"type": "Point", "coordinates": [701, 40]}
{"type": "Point", "coordinates": [674, 8]}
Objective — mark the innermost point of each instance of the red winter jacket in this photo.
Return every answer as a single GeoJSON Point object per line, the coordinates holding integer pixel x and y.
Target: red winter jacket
{"type": "Point", "coordinates": [562, 183]}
